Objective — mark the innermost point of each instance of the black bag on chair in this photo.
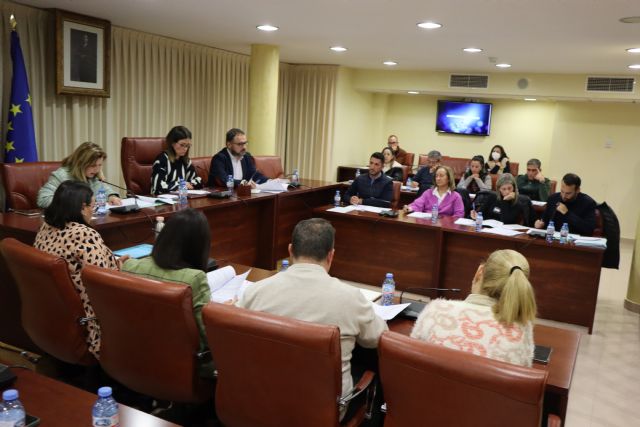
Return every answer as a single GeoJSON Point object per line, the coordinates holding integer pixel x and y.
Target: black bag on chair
{"type": "Point", "coordinates": [611, 226]}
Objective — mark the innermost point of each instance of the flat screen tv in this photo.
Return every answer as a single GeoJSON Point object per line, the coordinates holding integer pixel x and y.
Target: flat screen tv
{"type": "Point", "coordinates": [463, 118]}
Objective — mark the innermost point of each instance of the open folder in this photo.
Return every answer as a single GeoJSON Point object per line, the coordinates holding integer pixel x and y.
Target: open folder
{"type": "Point", "coordinates": [226, 285]}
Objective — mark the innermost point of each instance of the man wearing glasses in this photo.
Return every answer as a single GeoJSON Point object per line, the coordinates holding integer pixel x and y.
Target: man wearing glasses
{"type": "Point", "coordinates": [236, 161]}
{"type": "Point", "coordinates": [400, 154]}
{"type": "Point", "coordinates": [424, 177]}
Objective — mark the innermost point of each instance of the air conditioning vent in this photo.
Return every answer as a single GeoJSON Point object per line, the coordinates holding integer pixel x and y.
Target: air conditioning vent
{"type": "Point", "coordinates": [610, 84]}
{"type": "Point", "coordinates": [464, 80]}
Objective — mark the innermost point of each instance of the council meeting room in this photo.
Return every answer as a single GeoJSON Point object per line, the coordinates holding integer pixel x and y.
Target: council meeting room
{"type": "Point", "coordinates": [319, 213]}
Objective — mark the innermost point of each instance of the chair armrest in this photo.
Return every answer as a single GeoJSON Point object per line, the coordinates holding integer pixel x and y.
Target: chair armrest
{"type": "Point", "coordinates": [553, 421]}
{"type": "Point", "coordinates": [364, 383]}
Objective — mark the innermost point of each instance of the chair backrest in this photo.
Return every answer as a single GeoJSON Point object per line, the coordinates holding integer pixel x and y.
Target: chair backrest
{"type": "Point", "coordinates": [23, 180]}
{"type": "Point", "coordinates": [269, 166]}
{"type": "Point", "coordinates": [406, 170]}
{"type": "Point", "coordinates": [458, 164]}
{"type": "Point", "coordinates": [553, 186]}
{"type": "Point", "coordinates": [599, 230]}
{"type": "Point", "coordinates": [427, 384]}
{"type": "Point", "coordinates": [149, 338]}
{"type": "Point", "coordinates": [395, 198]}
{"type": "Point", "coordinates": [273, 371]}
{"type": "Point", "coordinates": [513, 168]}
{"type": "Point", "coordinates": [51, 307]}
{"type": "Point", "coordinates": [408, 160]}
{"type": "Point", "coordinates": [422, 159]}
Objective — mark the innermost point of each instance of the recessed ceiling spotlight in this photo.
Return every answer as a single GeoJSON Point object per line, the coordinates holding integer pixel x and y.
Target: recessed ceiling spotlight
{"type": "Point", "coordinates": [472, 49]}
{"type": "Point", "coordinates": [634, 50]}
{"type": "Point", "coordinates": [413, 92]}
{"type": "Point", "coordinates": [338, 48]}
{"type": "Point", "coordinates": [390, 63]}
{"type": "Point", "coordinates": [503, 65]}
{"type": "Point", "coordinates": [267, 28]}
{"type": "Point", "coordinates": [635, 66]}
{"type": "Point", "coordinates": [630, 20]}
{"type": "Point", "coordinates": [530, 99]}
{"type": "Point", "coordinates": [429, 25]}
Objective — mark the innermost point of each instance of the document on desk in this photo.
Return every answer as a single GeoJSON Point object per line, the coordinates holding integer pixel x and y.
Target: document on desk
{"type": "Point", "coordinates": [370, 295]}
{"type": "Point", "coordinates": [501, 231]}
{"type": "Point", "coordinates": [153, 200]}
{"type": "Point", "coordinates": [408, 188]}
{"type": "Point", "coordinates": [373, 209]}
{"type": "Point", "coordinates": [538, 203]}
{"type": "Point", "coordinates": [492, 223]}
{"type": "Point", "coordinates": [273, 186]}
{"type": "Point", "coordinates": [420, 215]}
{"type": "Point", "coordinates": [131, 201]}
{"type": "Point", "coordinates": [343, 209]}
{"type": "Point", "coordinates": [516, 227]}
{"type": "Point", "coordinates": [465, 221]}
{"type": "Point", "coordinates": [226, 285]}
{"type": "Point", "coordinates": [388, 312]}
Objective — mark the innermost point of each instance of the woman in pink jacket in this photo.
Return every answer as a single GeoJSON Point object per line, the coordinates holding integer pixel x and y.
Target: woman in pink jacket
{"type": "Point", "coordinates": [442, 194]}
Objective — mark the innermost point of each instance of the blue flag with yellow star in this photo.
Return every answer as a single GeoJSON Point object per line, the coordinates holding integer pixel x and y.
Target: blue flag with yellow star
{"type": "Point", "coordinates": [20, 145]}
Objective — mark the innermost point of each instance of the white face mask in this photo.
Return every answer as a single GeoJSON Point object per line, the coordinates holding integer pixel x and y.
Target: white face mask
{"type": "Point", "coordinates": [495, 156]}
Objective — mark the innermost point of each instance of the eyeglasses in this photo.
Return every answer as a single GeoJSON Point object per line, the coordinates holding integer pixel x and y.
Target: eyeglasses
{"type": "Point", "coordinates": [241, 144]}
{"type": "Point", "coordinates": [184, 145]}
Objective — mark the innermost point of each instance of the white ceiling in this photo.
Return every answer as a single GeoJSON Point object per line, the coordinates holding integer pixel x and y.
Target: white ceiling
{"type": "Point", "coordinates": [548, 36]}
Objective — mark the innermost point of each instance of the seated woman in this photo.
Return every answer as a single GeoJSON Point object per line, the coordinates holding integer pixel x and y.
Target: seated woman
{"type": "Point", "coordinates": [475, 178]}
{"type": "Point", "coordinates": [442, 194]}
{"type": "Point", "coordinates": [391, 167]}
{"type": "Point", "coordinates": [83, 165]}
{"type": "Point", "coordinates": [66, 233]}
{"type": "Point", "coordinates": [174, 164]}
{"type": "Point", "coordinates": [509, 207]}
{"type": "Point", "coordinates": [495, 320]}
{"type": "Point", "coordinates": [498, 161]}
{"type": "Point", "coordinates": [180, 255]}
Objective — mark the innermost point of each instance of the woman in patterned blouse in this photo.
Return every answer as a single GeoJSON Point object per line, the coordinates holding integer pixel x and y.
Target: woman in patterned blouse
{"type": "Point", "coordinates": [495, 320]}
{"type": "Point", "coordinates": [66, 233]}
{"type": "Point", "coordinates": [174, 164]}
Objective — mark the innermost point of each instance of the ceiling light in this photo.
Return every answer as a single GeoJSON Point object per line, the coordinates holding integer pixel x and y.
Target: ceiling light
{"type": "Point", "coordinates": [429, 25]}
{"type": "Point", "coordinates": [472, 49]}
{"type": "Point", "coordinates": [635, 66]}
{"type": "Point", "coordinates": [503, 65]}
{"type": "Point", "coordinates": [338, 48]}
{"type": "Point", "coordinates": [630, 20]}
{"type": "Point", "coordinates": [267, 28]}
{"type": "Point", "coordinates": [413, 92]}
{"type": "Point", "coordinates": [634, 50]}
{"type": "Point", "coordinates": [530, 99]}
{"type": "Point", "coordinates": [390, 63]}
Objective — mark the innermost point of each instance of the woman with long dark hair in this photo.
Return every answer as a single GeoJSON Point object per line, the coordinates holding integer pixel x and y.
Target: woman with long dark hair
{"type": "Point", "coordinates": [174, 164]}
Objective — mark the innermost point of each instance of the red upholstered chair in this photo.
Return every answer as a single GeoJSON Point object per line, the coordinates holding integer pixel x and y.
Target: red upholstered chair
{"type": "Point", "coordinates": [149, 337]}
{"type": "Point", "coordinates": [269, 166]}
{"type": "Point", "coordinates": [137, 155]}
{"type": "Point", "coordinates": [52, 312]}
{"type": "Point", "coordinates": [553, 186]}
{"type": "Point", "coordinates": [427, 384]}
{"type": "Point", "coordinates": [22, 181]}
{"type": "Point", "coordinates": [422, 159]}
{"type": "Point", "coordinates": [406, 170]}
{"type": "Point", "coordinates": [275, 371]}
{"type": "Point", "coordinates": [599, 230]}
{"type": "Point", "coordinates": [513, 168]}
{"type": "Point", "coordinates": [395, 199]}
{"type": "Point", "coordinates": [458, 164]}
{"type": "Point", "coordinates": [408, 160]}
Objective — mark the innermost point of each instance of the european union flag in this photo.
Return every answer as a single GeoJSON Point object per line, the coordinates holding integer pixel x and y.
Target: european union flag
{"type": "Point", "coordinates": [20, 145]}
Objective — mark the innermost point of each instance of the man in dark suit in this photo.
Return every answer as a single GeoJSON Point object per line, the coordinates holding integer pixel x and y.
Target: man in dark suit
{"type": "Point", "coordinates": [236, 161]}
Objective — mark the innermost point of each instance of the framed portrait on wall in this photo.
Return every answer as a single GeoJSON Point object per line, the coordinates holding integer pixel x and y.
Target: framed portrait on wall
{"type": "Point", "coordinates": [83, 55]}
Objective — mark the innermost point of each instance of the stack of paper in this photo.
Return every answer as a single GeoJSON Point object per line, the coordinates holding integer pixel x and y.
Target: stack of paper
{"type": "Point", "coordinates": [273, 186]}
{"type": "Point", "coordinates": [591, 242]}
{"type": "Point", "coordinates": [388, 312]}
{"type": "Point", "coordinates": [343, 209]}
{"type": "Point", "coordinates": [420, 215]}
{"type": "Point", "coordinates": [501, 231]}
{"type": "Point", "coordinates": [465, 221]}
{"type": "Point", "coordinates": [225, 285]}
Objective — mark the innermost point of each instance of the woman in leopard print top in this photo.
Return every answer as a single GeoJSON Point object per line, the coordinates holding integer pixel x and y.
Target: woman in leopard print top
{"type": "Point", "coordinates": [66, 233]}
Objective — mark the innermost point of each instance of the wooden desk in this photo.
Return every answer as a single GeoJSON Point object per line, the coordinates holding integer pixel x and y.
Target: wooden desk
{"type": "Point", "coordinates": [60, 405]}
{"type": "Point", "coordinates": [446, 255]}
{"type": "Point", "coordinates": [347, 173]}
{"type": "Point", "coordinates": [565, 345]}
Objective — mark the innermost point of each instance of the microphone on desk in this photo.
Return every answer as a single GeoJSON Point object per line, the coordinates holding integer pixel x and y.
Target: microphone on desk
{"type": "Point", "coordinates": [214, 194]}
{"type": "Point", "coordinates": [124, 209]}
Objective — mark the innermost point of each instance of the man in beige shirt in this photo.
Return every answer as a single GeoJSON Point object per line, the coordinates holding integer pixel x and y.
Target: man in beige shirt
{"type": "Point", "coordinates": [306, 291]}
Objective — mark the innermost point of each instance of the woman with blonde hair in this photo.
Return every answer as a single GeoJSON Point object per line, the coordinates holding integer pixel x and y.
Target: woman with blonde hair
{"type": "Point", "coordinates": [83, 165]}
{"type": "Point", "coordinates": [442, 194]}
{"type": "Point", "coordinates": [495, 320]}
{"type": "Point", "coordinates": [509, 207]}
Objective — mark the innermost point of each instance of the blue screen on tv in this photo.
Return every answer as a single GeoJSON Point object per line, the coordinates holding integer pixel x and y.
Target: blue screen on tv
{"type": "Point", "coordinates": [464, 118]}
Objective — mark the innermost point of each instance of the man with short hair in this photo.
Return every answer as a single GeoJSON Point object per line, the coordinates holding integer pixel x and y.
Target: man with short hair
{"type": "Point", "coordinates": [374, 188]}
{"type": "Point", "coordinates": [424, 178]}
{"type": "Point", "coordinates": [306, 291]}
{"type": "Point", "coordinates": [399, 153]}
{"type": "Point", "coordinates": [533, 183]}
{"type": "Point", "coordinates": [571, 206]}
{"type": "Point", "coordinates": [234, 160]}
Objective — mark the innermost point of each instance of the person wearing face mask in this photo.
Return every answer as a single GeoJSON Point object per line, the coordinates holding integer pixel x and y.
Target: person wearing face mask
{"type": "Point", "coordinates": [83, 165]}
{"type": "Point", "coordinates": [508, 207]}
{"type": "Point", "coordinates": [570, 205]}
{"type": "Point", "coordinates": [236, 161]}
{"type": "Point", "coordinates": [533, 183]}
{"type": "Point", "coordinates": [475, 179]}
{"type": "Point", "coordinates": [498, 161]}
{"type": "Point", "coordinates": [442, 194]}
{"type": "Point", "coordinates": [174, 164]}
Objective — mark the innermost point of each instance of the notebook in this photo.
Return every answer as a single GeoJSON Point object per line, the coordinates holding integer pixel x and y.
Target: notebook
{"type": "Point", "coordinates": [138, 251]}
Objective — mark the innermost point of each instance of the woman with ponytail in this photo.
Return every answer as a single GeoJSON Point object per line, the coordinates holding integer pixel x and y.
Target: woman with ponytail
{"type": "Point", "coordinates": [495, 320]}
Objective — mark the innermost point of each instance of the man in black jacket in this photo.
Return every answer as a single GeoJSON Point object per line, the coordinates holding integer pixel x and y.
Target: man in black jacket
{"type": "Point", "coordinates": [374, 188]}
{"type": "Point", "coordinates": [236, 161]}
{"type": "Point", "coordinates": [571, 206]}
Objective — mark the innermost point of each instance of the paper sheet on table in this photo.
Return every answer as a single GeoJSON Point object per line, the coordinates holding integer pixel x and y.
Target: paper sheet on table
{"type": "Point", "coordinates": [465, 221]}
{"type": "Point", "coordinates": [343, 209]}
{"type": "Point", "coordinates": [272, 186]}
{"type": "Point", "coordinates": [407, 188]}
{"type": "Point", "coordinates": [421, 215]}
{"type": "Point", "coordinates": [197, 192]}
{"type": "Point", "coordinates": [388, 312]}
{"type": "Point", "coordinates": [370, 295]}
{"type": "Point", "coordinates": [373, 209]}
{"type": "Point", "coordinates": [130, 201]}
{"type": "Point", "coordinates": [538, 203]}
{"type": "Point", "coordinates": [501, 231]}
{"type": "Point", "coordinates": [168, 196]}
{"type": "Point", "coordinates": [591, 242]}
{"type": "Point", "coordinates": [154, 200]}
{"type": "Point", "coordinates": [226, 285]}
{"type": "Point", "coordinates": [492, 223]}
{"type": "Point", "coordinates": [516, 227]}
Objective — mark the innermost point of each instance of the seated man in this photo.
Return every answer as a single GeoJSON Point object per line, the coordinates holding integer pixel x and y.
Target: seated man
{"type": "Point", "coordinates": [533, 183]}
{"type": "Point", "coordinates": [234, 160]}
{"type": "Point", "coordinates": [400, 154]}
{"type": "Point", "coordinates": [570, 206]}
{"type": "Point", "coordinates": [305, 291]}
{"type": "Point", "coordinates": [374, 188]}
{"type": "Point", "coordinates": [424, 177]}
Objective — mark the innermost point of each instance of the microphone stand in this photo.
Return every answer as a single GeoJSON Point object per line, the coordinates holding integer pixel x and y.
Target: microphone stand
{"type": "Point", "coordinates": [124, 209]}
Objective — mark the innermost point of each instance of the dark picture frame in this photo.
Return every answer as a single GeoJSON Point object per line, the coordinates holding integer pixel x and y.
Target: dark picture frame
{"type": "Point", "coordinates": [83, 55]}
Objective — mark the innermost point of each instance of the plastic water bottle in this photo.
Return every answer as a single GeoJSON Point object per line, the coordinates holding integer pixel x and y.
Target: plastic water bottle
{"type": "Point", "coordinates": [11, 410]}
{"type": "Point", "coordinates": [105, 410]}
{"type": "Point", "coordinates": [337, 199]}
{"type": "Point", "coordinates": [564, 234]}
{"type": "Point", "coordinates": [434, 214]}
{"type": "Point", "coordinates": [285, 265]}
{"type": "Point", "coordinates": [183, 193]}
{"type": "Point", "coordinates": [388, 289]}
{"type": "Point", "coordinates": [101, 201]}
{"type": "Point", "coordinates": [295, 177]}
{"type": "Point", "coordinates": [479, 220]}
{"type": "Point", "coordinates": [357, 172]}
{"type": "Point", "coordinates": [230, 183]}
{"type": "Point", "coordinates": [159, 225]}
{"type": "Point", "coordinates": [409, 182]}
{"type": "Point", "coordinates": [551, 228]}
